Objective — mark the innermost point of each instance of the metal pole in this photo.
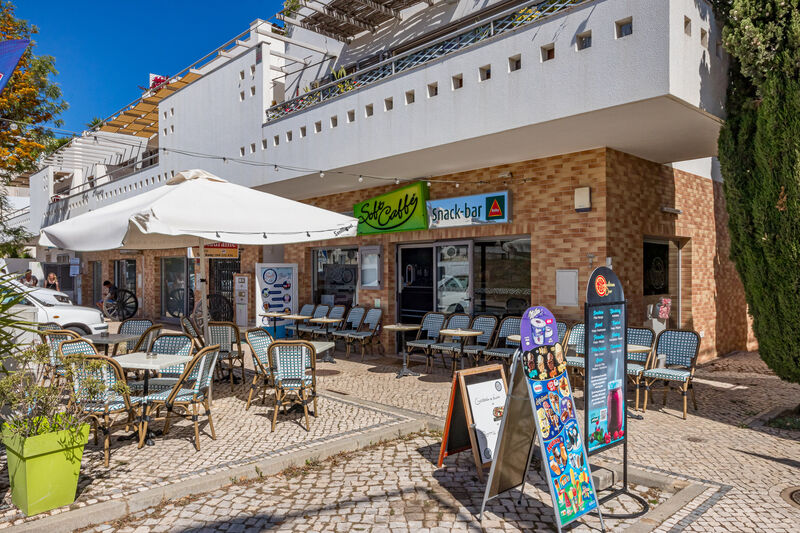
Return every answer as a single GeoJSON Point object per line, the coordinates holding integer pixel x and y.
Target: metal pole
{"type": "Point", "coordinates": [203, 289]}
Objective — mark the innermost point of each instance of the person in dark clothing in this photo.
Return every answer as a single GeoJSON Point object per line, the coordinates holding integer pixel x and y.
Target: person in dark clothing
{"type": "Point", "coordinates": [109, 293]}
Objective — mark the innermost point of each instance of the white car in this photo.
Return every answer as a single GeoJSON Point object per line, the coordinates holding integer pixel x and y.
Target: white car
{"type": "Point", "coordinates": [55, 306]}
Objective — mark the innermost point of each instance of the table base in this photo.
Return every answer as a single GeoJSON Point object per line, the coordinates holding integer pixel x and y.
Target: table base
{"type": "Point", "coordinates": [327, 358]}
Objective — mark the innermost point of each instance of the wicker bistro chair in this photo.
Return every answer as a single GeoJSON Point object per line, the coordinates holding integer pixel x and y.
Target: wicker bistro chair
{"type": "Point", "coordinates": [48, 326]}
{"type": "Point", "coordinates": [351, 324]}
{"type": "Point", "coordinates": [307, 328]}
{"type": "Point", "coordinates": [226, 334]}
{"type": "Point", "coordinates": [146, 339]}
{"type": "Point", "coordinates": [561, 328]}
{"type": "Point", "coordinates": [289, 361]}
{"type": "Point", "coordinates": [190, 328]}
{"type": "Point", "coordinates": [427, 335]}
{"type": "Point", "coordinates": [193, 389]}
{"type": "Point", "coordinates": [639, 337]}
{"type": "Point", "coordinates": [451, 347]}
{"type": "Point", "coordinates": [487, 324]}
{"type": "Point", "coordinates": [259, 341]}
{"type": "Point", "coordinates": [503, 348]}
{"type": "Point", "coordinates": [100, 405]}
{"type": "Point", "coordinates": [575, 345]}
{"type": "Point", "coordinates": [168, 343]}
{"type": "Point", "coordinates": [134, 326]}
{"type": "Point", "coordinates": [679, 348]}
{"type": "Point", "coordinates": [324, 330]}
{"type": "Point", "coordinates": [53, 338]}
{"type": "Point", "coordinates": [306, 310]}
{"type": "Point", "coordinates": [369, 334]}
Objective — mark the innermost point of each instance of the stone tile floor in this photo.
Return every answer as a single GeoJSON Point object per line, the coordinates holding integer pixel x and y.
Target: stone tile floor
{"type": "Point", "coordinates": [743, 468]}
{"type": "Point", "coordinates": [389, 487]}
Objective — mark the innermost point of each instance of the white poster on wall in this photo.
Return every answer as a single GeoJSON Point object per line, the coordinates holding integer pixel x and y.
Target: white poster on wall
{"type": "Point", "coordinates": [276, 291]}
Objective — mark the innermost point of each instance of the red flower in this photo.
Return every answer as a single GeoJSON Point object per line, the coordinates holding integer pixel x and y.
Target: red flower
{"type": "Point", "coordinates": [608, 438]}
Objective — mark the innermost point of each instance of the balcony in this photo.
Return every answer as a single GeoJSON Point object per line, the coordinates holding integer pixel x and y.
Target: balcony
{"type": "Point", "coordinates": [506, 21]}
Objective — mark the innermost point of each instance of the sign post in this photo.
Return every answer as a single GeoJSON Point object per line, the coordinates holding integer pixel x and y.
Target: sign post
{"type": "Point", "coordinates": [606, 342]}
{"type": "Point", "coordinates": [540, 406]}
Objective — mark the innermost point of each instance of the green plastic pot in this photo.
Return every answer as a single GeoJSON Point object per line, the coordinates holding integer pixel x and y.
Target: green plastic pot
{"type": "Point", "coordinates": [43, 470]}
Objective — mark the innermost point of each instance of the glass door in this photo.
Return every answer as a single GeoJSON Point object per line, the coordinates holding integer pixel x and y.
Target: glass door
{"type": "Point", "coordinates": [125, 274]}
{"type": "Point", "coordinates": [414, 283]}
{"type": "Point", "coordinates": [177, 286]}
{"type": "Point", "coordinates": [454, 277]}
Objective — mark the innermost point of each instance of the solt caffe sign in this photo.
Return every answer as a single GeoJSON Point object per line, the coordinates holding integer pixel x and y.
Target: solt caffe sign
{"type": "Point", "coordinates": [400, 210]}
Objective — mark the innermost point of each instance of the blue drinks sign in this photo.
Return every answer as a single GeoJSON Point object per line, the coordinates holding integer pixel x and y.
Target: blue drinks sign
{"type": "Point", "coordinates": [563, 452]}
{"type": "Point", "coordinates": [491, 208]}
{"type": "Point", "coordinates": [606, 349]}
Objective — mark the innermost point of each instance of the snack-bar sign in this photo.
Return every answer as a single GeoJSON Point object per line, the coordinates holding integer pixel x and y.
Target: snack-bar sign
{"type": "Point", "coordinates": [491, 208]}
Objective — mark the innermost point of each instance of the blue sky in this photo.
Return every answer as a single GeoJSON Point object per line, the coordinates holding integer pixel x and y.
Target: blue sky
{"type": "Point", "coordinates": [104, 50]}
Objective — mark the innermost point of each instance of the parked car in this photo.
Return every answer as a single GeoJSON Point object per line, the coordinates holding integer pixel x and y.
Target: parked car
{"type": "Point", "coordinates": [55, 306]}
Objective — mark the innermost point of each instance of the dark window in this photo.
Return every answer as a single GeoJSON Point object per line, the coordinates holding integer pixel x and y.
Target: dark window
{"type": "Point", "coordinates": [656, 268]}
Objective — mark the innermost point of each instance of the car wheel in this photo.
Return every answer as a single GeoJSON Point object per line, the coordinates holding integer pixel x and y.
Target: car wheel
{"type": "Point", "coordinates": [80, 330]}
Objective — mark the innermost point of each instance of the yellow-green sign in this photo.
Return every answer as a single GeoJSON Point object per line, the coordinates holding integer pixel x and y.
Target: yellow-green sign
{"type": "Point", "coordinates": [400, 210]}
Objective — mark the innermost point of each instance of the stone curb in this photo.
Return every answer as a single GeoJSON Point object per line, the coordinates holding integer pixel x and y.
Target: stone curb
{"type": "Point", "coordinates": [115, 509]}
{"type": "Point", "coordinates": [657, 516]}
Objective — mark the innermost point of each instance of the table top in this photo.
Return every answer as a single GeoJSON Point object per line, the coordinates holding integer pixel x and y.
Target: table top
{"type": "Point", "coordinates": [295, 317]}
{"type": "Point", "coordinates": [635, 348]}
{"type": "Point", "coordinates": [140, 361]}
{"type": "Point", "coordinates": [461, 332]}
{"type": "Point", "coordinates": [514, 338]}
{"type": "Point", "coordinates": [274, 314]}
{"type": "Point", "coordinates": [326, 320]}
{"type": "Point", "coordinates": [402, 327]}
{"type": "Point", "coordinates": [112, 338]}
{"type": "Point", "coordinates": [322, 346]}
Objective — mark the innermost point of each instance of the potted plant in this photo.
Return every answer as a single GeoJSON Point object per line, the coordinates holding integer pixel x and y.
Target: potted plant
{"type": "Point", "coordinates": [43, 430]}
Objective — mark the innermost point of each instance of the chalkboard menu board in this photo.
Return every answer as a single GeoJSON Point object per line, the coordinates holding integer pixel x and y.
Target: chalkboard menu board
{"type": "Point", "coordinates": [606, 347]}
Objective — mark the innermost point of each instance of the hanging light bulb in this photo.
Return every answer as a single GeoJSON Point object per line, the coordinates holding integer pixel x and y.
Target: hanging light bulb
{"type": "Point", "coordinates": [360, 179]}
{"type": "Point", "coordinates": [321, 174]}
{"type": "Point", "coordinates": [308, 234]}
{"type": "Point", "coordinates": [265, 234]}
{"type": "Point", "coordinates": [396, 181]}
{"type": "Point", "coordinates": [275, 168]}
{"type": "Point", "coordinates": [217, 235]}
{"type": "Point", "coordinates": [429, 184]}
{"type": "Point", "coordinates": [458, 185]}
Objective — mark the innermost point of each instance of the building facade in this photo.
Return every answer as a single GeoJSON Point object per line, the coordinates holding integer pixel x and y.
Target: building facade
{"type": "Point", "coordinates": [595, 123]}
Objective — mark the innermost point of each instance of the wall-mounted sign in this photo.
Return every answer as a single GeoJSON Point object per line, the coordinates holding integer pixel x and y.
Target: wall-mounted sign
{"type": "Point", "coordinates": [218, 250]}
{"type": "Point", "coordinates": [400, 210]}
{"type": "Point", "coordinates": [491, 208]}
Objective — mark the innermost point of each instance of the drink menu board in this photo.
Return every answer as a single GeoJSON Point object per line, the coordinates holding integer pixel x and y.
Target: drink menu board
{"type": "Point", "coordinates": [606, 347]}
{"type": "Point", "coordinates": [568, 474]}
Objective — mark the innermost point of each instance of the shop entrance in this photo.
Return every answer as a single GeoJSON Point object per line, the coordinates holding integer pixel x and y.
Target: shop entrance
{"type": "Point", "coordinates": [434, 277]}
{"type": "Point", "coordinates": [177, 287]}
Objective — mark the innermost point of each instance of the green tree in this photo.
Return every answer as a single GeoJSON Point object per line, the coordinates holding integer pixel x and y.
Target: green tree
{"type": "Point", "coordinates": [759, 152]}
{"type": "Point", "coordinates": [29, 101]}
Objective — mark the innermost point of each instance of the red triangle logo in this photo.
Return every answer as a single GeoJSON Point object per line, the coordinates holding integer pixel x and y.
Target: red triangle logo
{"type": "Point", "coordinates": [495, 210]}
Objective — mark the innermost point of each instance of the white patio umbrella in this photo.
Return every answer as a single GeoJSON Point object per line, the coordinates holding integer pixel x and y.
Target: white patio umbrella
{"type": "Point", "coordinates": [195, 208]}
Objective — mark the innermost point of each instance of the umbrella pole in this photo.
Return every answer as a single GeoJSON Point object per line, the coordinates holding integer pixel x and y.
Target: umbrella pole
{"type": "Point", "coordinates": [204, 289]}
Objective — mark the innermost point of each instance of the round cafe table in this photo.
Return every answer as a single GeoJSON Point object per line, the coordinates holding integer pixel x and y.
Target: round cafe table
{"type": "Point", "coordinates": [401, 329]}
{"type": "Point", "coordinates": [274, 315]}
{"type": "Point", "coordinates": [463, 334]}
{"type": "Point", "coordinates": [514, 338]}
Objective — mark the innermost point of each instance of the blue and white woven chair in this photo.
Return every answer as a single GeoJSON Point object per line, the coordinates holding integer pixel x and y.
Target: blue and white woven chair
{"type": "Point", "coordinates": [53, 338]}
{"type": "Point", "coordinates": [95, 390]}
{"type": "Point", "coordinates": [451, 347]}
{"type": "Point", "coordinates": [173, 344]}
{"type": "Point", "coordinates": [561, 327]}
{"type": "Point", "coordinates": [193, 389]}
{"type": "Point", "coordinates": [503, 348]}
{"type": "Point", "coordinates": [190, 328]}
{"type": "Point", "coordinates": [48, 326]}
{"type": "Point", "coordinates": [306, 310]}
{"type": "Point", "coordinates": [226, 335]}
{"type": "Point", "coordinates": [307, 328]}
{"type": "Point", "coordinates": [289, 361]}
{"type": "Point", "coordinates": [134, 326]}
{"type": "Point", "coordinates": [145, 341]}
{"type": "Point", "coordinates": [679, 349]}
{"type": "Point", "coordinates": [352, 323]}
{"type": "Point", "coordinates": [324, 330]}
{"type": "Point", "coordinates": [369, 334]}
{"type": "Point", "coordinates": [487, 324]}
{"type": "Point", "coordinates": [259, 341]}
{"type": "Point", "coordinates": [427, 335]}
{"type": "Point", "coordinates": [635, 362]}
{"type": "Point", "coordinates": [575, 348]}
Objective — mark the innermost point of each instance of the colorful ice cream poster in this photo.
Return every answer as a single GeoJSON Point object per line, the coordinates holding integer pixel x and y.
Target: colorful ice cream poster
{"type": "Point", "coordinates": [606, 349]}
{"type": "Point", "coordinates": [276, 291]}
{"type": "Point", "coordinates": [563, 451]}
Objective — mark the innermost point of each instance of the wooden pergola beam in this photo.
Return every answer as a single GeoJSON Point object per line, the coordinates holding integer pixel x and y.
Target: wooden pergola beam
{"type": "Point", "coordinates": [389, 12]}
{"type": "Point", "coordinates": [339, 15]}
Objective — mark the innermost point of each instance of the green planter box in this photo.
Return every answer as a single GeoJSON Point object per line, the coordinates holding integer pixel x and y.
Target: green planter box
{"type": "Point", "coordinates": [43, 470]}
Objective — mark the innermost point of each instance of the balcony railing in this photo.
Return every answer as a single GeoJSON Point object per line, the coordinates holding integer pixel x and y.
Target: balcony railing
{"type": "Point", "coordinates": [501, 23]}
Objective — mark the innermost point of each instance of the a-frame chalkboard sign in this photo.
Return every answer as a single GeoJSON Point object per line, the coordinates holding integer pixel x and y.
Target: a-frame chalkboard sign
{"type": "Point", "coordinates": [473, 415]}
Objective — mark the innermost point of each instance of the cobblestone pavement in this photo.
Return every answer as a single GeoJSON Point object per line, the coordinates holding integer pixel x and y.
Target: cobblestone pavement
{"type": "Point", "coordinates": [391, 487]}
